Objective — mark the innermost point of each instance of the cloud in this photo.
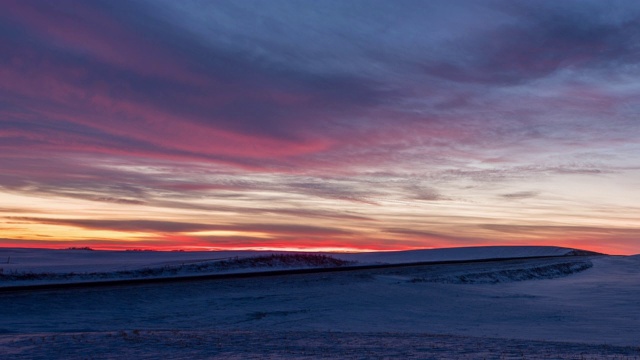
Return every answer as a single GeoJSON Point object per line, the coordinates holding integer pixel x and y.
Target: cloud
{"type": "Point", "coordinates": [345, 113]}
{"type": "Point", "coordinates": [421, 234]}
{"type": "Point", "coordinates": [156, 226]}
{"type": "Point", "coordinates": [520, 195]}
{"type": "Point", "coordinates": [545, 38]}
{"type": "Point", "coordinates": [557, 229]}
{"type": "Point", "coordinates": [85, 97]}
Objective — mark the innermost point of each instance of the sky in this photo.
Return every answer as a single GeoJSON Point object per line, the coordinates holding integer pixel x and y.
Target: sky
{"type": "Point", "coordinates": [320, 125]}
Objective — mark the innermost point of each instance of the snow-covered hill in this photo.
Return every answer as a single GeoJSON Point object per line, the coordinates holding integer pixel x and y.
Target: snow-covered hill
{"type": "Point", "coordinates": [38, 266]}
{"type": "Point", "coordinates": [460, 253]}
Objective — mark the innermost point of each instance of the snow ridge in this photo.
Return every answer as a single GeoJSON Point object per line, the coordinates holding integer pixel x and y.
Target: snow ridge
{"type": "Point", "coordinates": [551, 271]}
{"type": "Point", "coordinates": [273, 261]}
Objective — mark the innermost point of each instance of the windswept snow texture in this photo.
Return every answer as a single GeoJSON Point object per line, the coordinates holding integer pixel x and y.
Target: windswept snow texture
{"type": "Point", "coordinates": [497, 273]}
{"type": "Point", "coordinates": [194, 344]}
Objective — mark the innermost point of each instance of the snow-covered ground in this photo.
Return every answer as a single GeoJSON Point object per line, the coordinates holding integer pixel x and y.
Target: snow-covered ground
{"type": "Point", "coordinates": [241, 345]}
{"type": "Point", "coordinates": [573, 307]}
{"type": "Point", "coordinates": [41, 266]}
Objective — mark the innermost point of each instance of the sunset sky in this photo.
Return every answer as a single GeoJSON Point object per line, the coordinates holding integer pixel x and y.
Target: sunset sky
{"type": "Point", "coordinates": [320, 125]}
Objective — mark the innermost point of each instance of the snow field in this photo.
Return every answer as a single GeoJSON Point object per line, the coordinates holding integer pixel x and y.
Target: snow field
{"type": "Point", "coordinates": [565, 307]}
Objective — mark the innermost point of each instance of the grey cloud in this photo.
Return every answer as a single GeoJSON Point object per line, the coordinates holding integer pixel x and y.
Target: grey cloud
{"type": "Point", "coordinates": [425, 193]}
{"type": "Point", "coordinates": [520, 195]}
{"type": "Point", "coordinates": [566, 229]}
{"type": "Point", "coordinates": [178, 227]}
{"type": "Point", "coordinates": [120, 225]}
{"type": "Point", "coordinates": [429, 235]}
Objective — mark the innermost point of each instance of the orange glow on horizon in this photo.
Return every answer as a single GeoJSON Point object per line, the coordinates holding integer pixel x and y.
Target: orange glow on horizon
{"type": "Point", "coordinates": [109, 227]}
{"type": "Point", "coordinates": [123, 246]}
